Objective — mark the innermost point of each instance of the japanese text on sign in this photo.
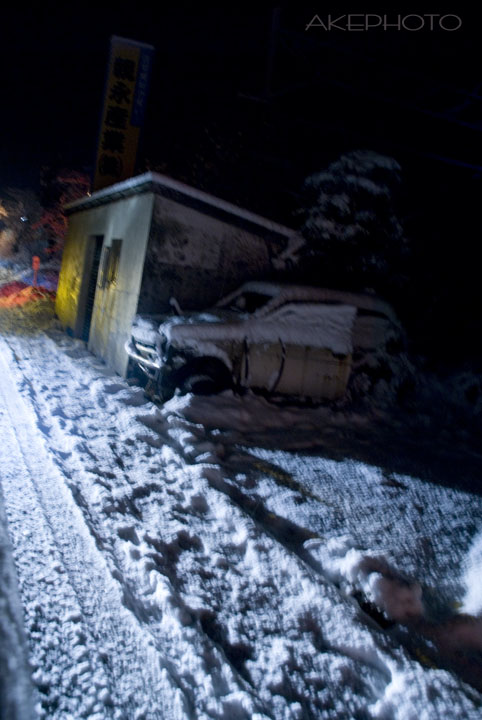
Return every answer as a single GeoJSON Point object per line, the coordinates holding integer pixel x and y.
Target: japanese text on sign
{"type": "Point", "coordinates": [123, 111]}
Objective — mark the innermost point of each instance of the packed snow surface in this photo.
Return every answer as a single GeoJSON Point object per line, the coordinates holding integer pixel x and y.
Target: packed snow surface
{"type": "Point", "coordinates": [224, 558]}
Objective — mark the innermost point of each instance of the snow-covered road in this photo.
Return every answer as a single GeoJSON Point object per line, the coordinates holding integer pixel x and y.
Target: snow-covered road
{"type": "Point", "coordinates": [176, 563]}
{"type": "Point", "coordinates": [77, 616]}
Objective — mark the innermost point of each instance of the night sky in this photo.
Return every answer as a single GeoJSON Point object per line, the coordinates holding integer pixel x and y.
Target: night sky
{"type": "Point", "coordinates": [216, 117]}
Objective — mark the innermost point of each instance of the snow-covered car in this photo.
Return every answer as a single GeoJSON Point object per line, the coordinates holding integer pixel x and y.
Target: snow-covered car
{"type": "Point", "coordinates": [284, 339]}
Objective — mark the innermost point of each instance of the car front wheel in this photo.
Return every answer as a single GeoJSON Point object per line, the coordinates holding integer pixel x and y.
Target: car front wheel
{"type": "Point", "coordinates": [205, 378]}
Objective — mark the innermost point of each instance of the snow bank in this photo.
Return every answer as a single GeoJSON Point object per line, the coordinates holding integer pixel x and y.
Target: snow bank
{"type": "Point", "coordinates": [472, 603]}
{"type": "Point", "coordinates": [399, 598]}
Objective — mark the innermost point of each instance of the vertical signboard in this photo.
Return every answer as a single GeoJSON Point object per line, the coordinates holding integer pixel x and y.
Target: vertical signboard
{"type": "Point", "coordinates": [125, 99]}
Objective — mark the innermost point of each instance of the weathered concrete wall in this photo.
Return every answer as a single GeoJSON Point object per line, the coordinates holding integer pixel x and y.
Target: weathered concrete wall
{"type": "Point", "coordinates": [197, 258]}
{"type": "Point", "coordinates": [116, 303]}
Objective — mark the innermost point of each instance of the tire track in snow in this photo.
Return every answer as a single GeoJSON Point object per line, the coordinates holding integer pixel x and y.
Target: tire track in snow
{"type": "Point", "coordinates": [175, 649]}
{"type": "Point", "coordinates": [50, 604]}
{"type": "Point", "coordinates": [117, 648]}
{"type": "Point", "coordinates": [16, 687]}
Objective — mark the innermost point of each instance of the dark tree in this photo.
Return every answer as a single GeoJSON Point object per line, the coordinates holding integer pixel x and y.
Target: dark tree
{"type": "Point", "coordinates": [354, 237]}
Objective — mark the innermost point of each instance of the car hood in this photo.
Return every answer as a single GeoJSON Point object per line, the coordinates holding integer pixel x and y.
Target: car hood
{"type": "Point", "coordinates": [147, 328]}
{"type": "Point", "coordinates": [201, 318]}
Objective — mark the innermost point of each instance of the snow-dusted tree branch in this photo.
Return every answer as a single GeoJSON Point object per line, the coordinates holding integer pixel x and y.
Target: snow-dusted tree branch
{"type": "Point", "coordinates": [354, 236]}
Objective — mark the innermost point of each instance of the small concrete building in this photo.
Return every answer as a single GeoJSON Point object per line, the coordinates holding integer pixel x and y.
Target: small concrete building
{"type": "Point", "coordinates": [133, 246]}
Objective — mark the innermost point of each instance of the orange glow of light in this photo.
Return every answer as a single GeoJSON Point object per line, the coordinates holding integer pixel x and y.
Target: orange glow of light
{"type": "Point", "coordinates": [16, 294]}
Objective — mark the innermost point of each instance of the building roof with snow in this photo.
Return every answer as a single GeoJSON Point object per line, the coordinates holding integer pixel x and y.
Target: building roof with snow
{"type": "Point", "coordinates": [186, 195]}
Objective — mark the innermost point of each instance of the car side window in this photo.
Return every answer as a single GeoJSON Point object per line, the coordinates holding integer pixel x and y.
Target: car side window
{"type": "Point", "coordinates": [295, 312]}
{"type": "Point", "coordinates": [249, 301]}
{"type": "Point", "coordinates": [299, 313]}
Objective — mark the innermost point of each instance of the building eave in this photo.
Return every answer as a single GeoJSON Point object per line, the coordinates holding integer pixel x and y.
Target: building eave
{"type": "Point", "coordinates": [184, 194]}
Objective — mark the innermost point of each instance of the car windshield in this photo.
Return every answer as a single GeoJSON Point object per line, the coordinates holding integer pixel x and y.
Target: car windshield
{"type": "Point", "coordinates": [247, 302]}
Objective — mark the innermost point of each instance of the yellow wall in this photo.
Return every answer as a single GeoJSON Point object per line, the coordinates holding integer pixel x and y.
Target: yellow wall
{"type": "Point", "coordinates": [116, 304]}
{"type": "Point", "coordinates": [71, 273]}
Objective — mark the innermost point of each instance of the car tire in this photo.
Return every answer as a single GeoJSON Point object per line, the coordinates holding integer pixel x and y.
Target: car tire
{"type": "Point", "coordinates": [205, 378]}
{"type": "Point", "coordinates": [199, 385]}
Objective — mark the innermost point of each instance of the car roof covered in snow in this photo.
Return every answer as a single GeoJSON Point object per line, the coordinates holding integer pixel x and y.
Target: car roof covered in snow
{"type": "Point", "coordinates": [304, 293]}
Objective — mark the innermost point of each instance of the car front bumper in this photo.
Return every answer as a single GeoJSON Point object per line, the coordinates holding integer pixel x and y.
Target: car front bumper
{"type": "Point", "coordinates": [145, 357]}
{"type": "Point", "coordinates": [159, 375]}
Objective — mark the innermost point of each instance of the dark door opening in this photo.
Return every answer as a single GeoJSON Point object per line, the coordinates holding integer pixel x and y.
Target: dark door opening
{"type": "Point", "coordinates": [92, 284]}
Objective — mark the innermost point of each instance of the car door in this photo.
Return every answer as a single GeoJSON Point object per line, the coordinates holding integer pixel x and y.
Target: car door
{"type": "Point", "coordinates": [302, 349]}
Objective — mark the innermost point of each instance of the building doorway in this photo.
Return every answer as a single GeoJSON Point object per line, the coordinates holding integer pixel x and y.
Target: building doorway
{"type": "Point", "coordinates": [91, 274]}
